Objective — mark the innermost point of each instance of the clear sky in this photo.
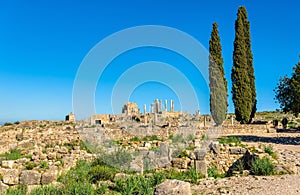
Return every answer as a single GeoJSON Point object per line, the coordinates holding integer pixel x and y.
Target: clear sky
{"type": "Point", "coordinates": [42, 44]}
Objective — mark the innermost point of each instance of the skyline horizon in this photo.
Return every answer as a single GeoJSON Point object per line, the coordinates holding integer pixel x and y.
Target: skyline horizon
{"type": "Point", "coordinates": [44, 44]}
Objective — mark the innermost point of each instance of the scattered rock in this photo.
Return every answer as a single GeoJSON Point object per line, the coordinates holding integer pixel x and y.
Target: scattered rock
{"type": "Point", "coordinates": [173, 187]}
{"type": "Point", "coordinates": [30, 177]}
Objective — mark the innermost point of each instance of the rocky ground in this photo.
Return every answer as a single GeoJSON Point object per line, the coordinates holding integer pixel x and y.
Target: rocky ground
{"type": "Point", "coordinates": [49, 148]}
{"type": "Point", "coordinates": [286, 145]}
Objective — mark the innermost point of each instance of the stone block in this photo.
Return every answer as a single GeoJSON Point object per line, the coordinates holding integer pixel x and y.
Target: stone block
{"type": "Point", "coordinates": [10, 176]}
{"type": "Point", "coordinates": [201, 167]}
{"type": "Point", "coordinates": [9, 164]}
{"type": "Point", "coordinates": [200, 154]}
{"type": "Point", "coordinates": [3, 187]}
{"type": "Point", "coordinates": [48, 177]}
{"type": "Point", "coordinates": [179, 163]}
{"type": "Point", "coordinates": [173, 187]}
{"type": "Point", "coordinates": [237, 150]}
{"type": "Point", "coordinates": [30, 177]}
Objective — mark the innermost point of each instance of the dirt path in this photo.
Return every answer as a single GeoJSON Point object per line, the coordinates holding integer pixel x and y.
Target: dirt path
{"type": "Point", "coordinates": [285, 184]}
{"type": "Point", "coordinates": [287, 146]}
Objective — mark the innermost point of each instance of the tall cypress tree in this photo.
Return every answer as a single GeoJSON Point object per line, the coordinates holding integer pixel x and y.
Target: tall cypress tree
{"type": "Point", "coordinates": [249, 60]}
{"type": "Point", "coordinates": [218, 83]}
{"type": "Point", "coordinates": [242, 76]}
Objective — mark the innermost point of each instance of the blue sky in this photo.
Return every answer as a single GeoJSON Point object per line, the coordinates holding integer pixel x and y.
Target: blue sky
{"type": "Point", "coordinates": [42, 44]}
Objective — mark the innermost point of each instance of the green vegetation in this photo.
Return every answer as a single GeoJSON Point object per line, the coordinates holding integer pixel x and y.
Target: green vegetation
{"type": "Point", "coordinates": [178, 138]}
{"type": "Point", "coordinates": [231, 140]}
{"type": "Point", "coordinates": [262, 166]}
{"type": "Point", "coordinates": [14, 154]}
{"type": "Point", "coordinates": [217, 81]}
{"type": "Point", "coordinates": [30, 165]}
{"type": "Point", "coordinates": [16, 122]}
{"type": "Point", "coordinates": [44, 165]}
{"type": "Point", "coordinates": [20, 190]}
{"type": "Point", "coordinates": [287, 92]}
{"type": "Point", "coordinates": [242, 75]}
{"type": "Point", "coordinates": [8, 124]}
{"type": "Point", "coordinates": [212, 171]}
{"type": "Point", "coordinates": [269, 150]}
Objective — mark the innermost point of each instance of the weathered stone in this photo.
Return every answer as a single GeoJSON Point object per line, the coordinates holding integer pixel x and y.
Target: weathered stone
{"type": "Point", "coordinates": [48, 177]}
{"type": "Point", "coordinates": [179, 163]}
{"type": "Point", "coordinates": [63, 150]}
{"type": "Point", "coordinates": [51, 156]}
{"type": "Point", "coordinates": [237, 150]}
{"type": "Point", "coordinates": [215, 147]}
{"type": "Point", "coordinates": [200, 154]}
{"type": "Point", "coordinates": [164, 147]}
{"type": "Point", "coordinates": [173, 187]}
{"type": "Point", "coordinates": [3, 187]}
{"type": "Point", "coordinates": [11, 176]}
{"type": "Point", "coordinates": [30, 177]}
{"type": "Point", "coordinates": [9, 164]}
{"type": "Point", "coordinates": [201, 167]}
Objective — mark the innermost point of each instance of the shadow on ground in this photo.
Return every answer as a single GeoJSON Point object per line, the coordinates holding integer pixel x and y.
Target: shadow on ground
{"type": "Point", "coordinates": [275, 140]}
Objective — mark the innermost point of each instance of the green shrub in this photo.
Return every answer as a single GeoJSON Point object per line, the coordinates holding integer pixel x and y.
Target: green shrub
{"type": "Point", "coordinates": [47, 190]}
{"type": "Point", "coordinates": [17, 122]}
{"type": "Point", "coordinates": [100, 172]}
{"type": "Point", "coordinates": [119, 158]}
{"type": "Point", "coordinates": [86, 146]}
{"type": "Point", "coordinates": [44, 165]}
{"type": "Point", "coordinates": [231, 140]}
{"type": "Point", "coordinates": [8, 124]}
{"type": "Point", "coordinates": [212, 171]}
{"type": "Point", "coordinates": [135, 139]}
{"type": "Point", "coordinates": [135, 185]}
{"type": "Point", "coordinates": [20, 190]}
{"type": "Point", "coordinates": [30, 165]}
{"type": "Point", "coordinates": [14, 154]}
{"type": "Point", "coordinates": [269, 150]}
{"type": "Point", "coordinates": [102, 189]}
{"type": "Point", "coordinates": [262, 166]}
{"type": "Point", "coordinates": [154, 137]}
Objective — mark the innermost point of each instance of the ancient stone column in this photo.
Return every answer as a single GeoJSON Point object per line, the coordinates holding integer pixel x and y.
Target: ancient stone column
{"type": "Point", "coordinates": [172, 105]}
{"type": "Point", "coordinates": [166, 105]}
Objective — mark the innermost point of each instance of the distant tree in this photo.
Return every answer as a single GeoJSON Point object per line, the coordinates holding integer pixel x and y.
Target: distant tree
{"type": "Point", "coordinates": [242, 75]}
{"type": "Point", "coordinates": [287, 92]}
{"type": "Point", "coordinates": [218, 83]}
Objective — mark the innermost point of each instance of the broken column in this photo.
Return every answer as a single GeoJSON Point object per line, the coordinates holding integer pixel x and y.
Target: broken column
{"type": "Point", "coordinates": [166, 105]}
{"type": "Point", "coordinates": [199, 162]}
{"type": "Point", "coordinates": [172, 105]}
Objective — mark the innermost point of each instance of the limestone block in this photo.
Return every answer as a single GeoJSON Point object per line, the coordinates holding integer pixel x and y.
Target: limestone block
{"type": "Point", "coordinates": [30, 177]}
{"type": "Point", "coordinates": [201, 167]}
{"type": "Point", "coordinates": [172, 187]}
{"type": "Point", "coordinates": [179, 163]}
{"type": "Point", "coordinates": [11, 176]}
{"type": "Point", "coordinates": [9, 164]}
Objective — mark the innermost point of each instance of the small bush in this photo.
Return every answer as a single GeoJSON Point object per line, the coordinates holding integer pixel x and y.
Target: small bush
{"type": "Point", "coordinates": [8, 124]}
{"type": "Point", "coordinates": [20, 190]}
{"type": "Point", "coordinates": [154, 137]}
{"type": "Point", "coordinates": [213, 172]}
{"type": "Point", "coordinates": [30, 165]}
{"type": "Point", "coordinates": [230, 140]}
{"type": "Point", "coordinates": [44, 165]}
{"type": "Point", "coordinates": [191, 137]}
{"type": "Point", "coordinates": [99, 172]}
{"type": "Point", "coordinates": [135, 139]}
{"type": "Point", "coordinates": [262, 166]}
{"type": "Point", "coordinates": [47, 190]}
{"type": "Point", "coordinates": [14, 154]}
{"type": "Point", "coordinates": [17, 122]}
{"type": "Point", "coordinates": [269, 150]}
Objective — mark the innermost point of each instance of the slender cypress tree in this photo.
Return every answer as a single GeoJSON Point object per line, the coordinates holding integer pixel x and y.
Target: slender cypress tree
{"type": "Point", "coordinates": [218, 83]}
{"type": "Point", "coordinates": [249, 61]}
{"type": "Point", "coordinates": [242, 75]}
